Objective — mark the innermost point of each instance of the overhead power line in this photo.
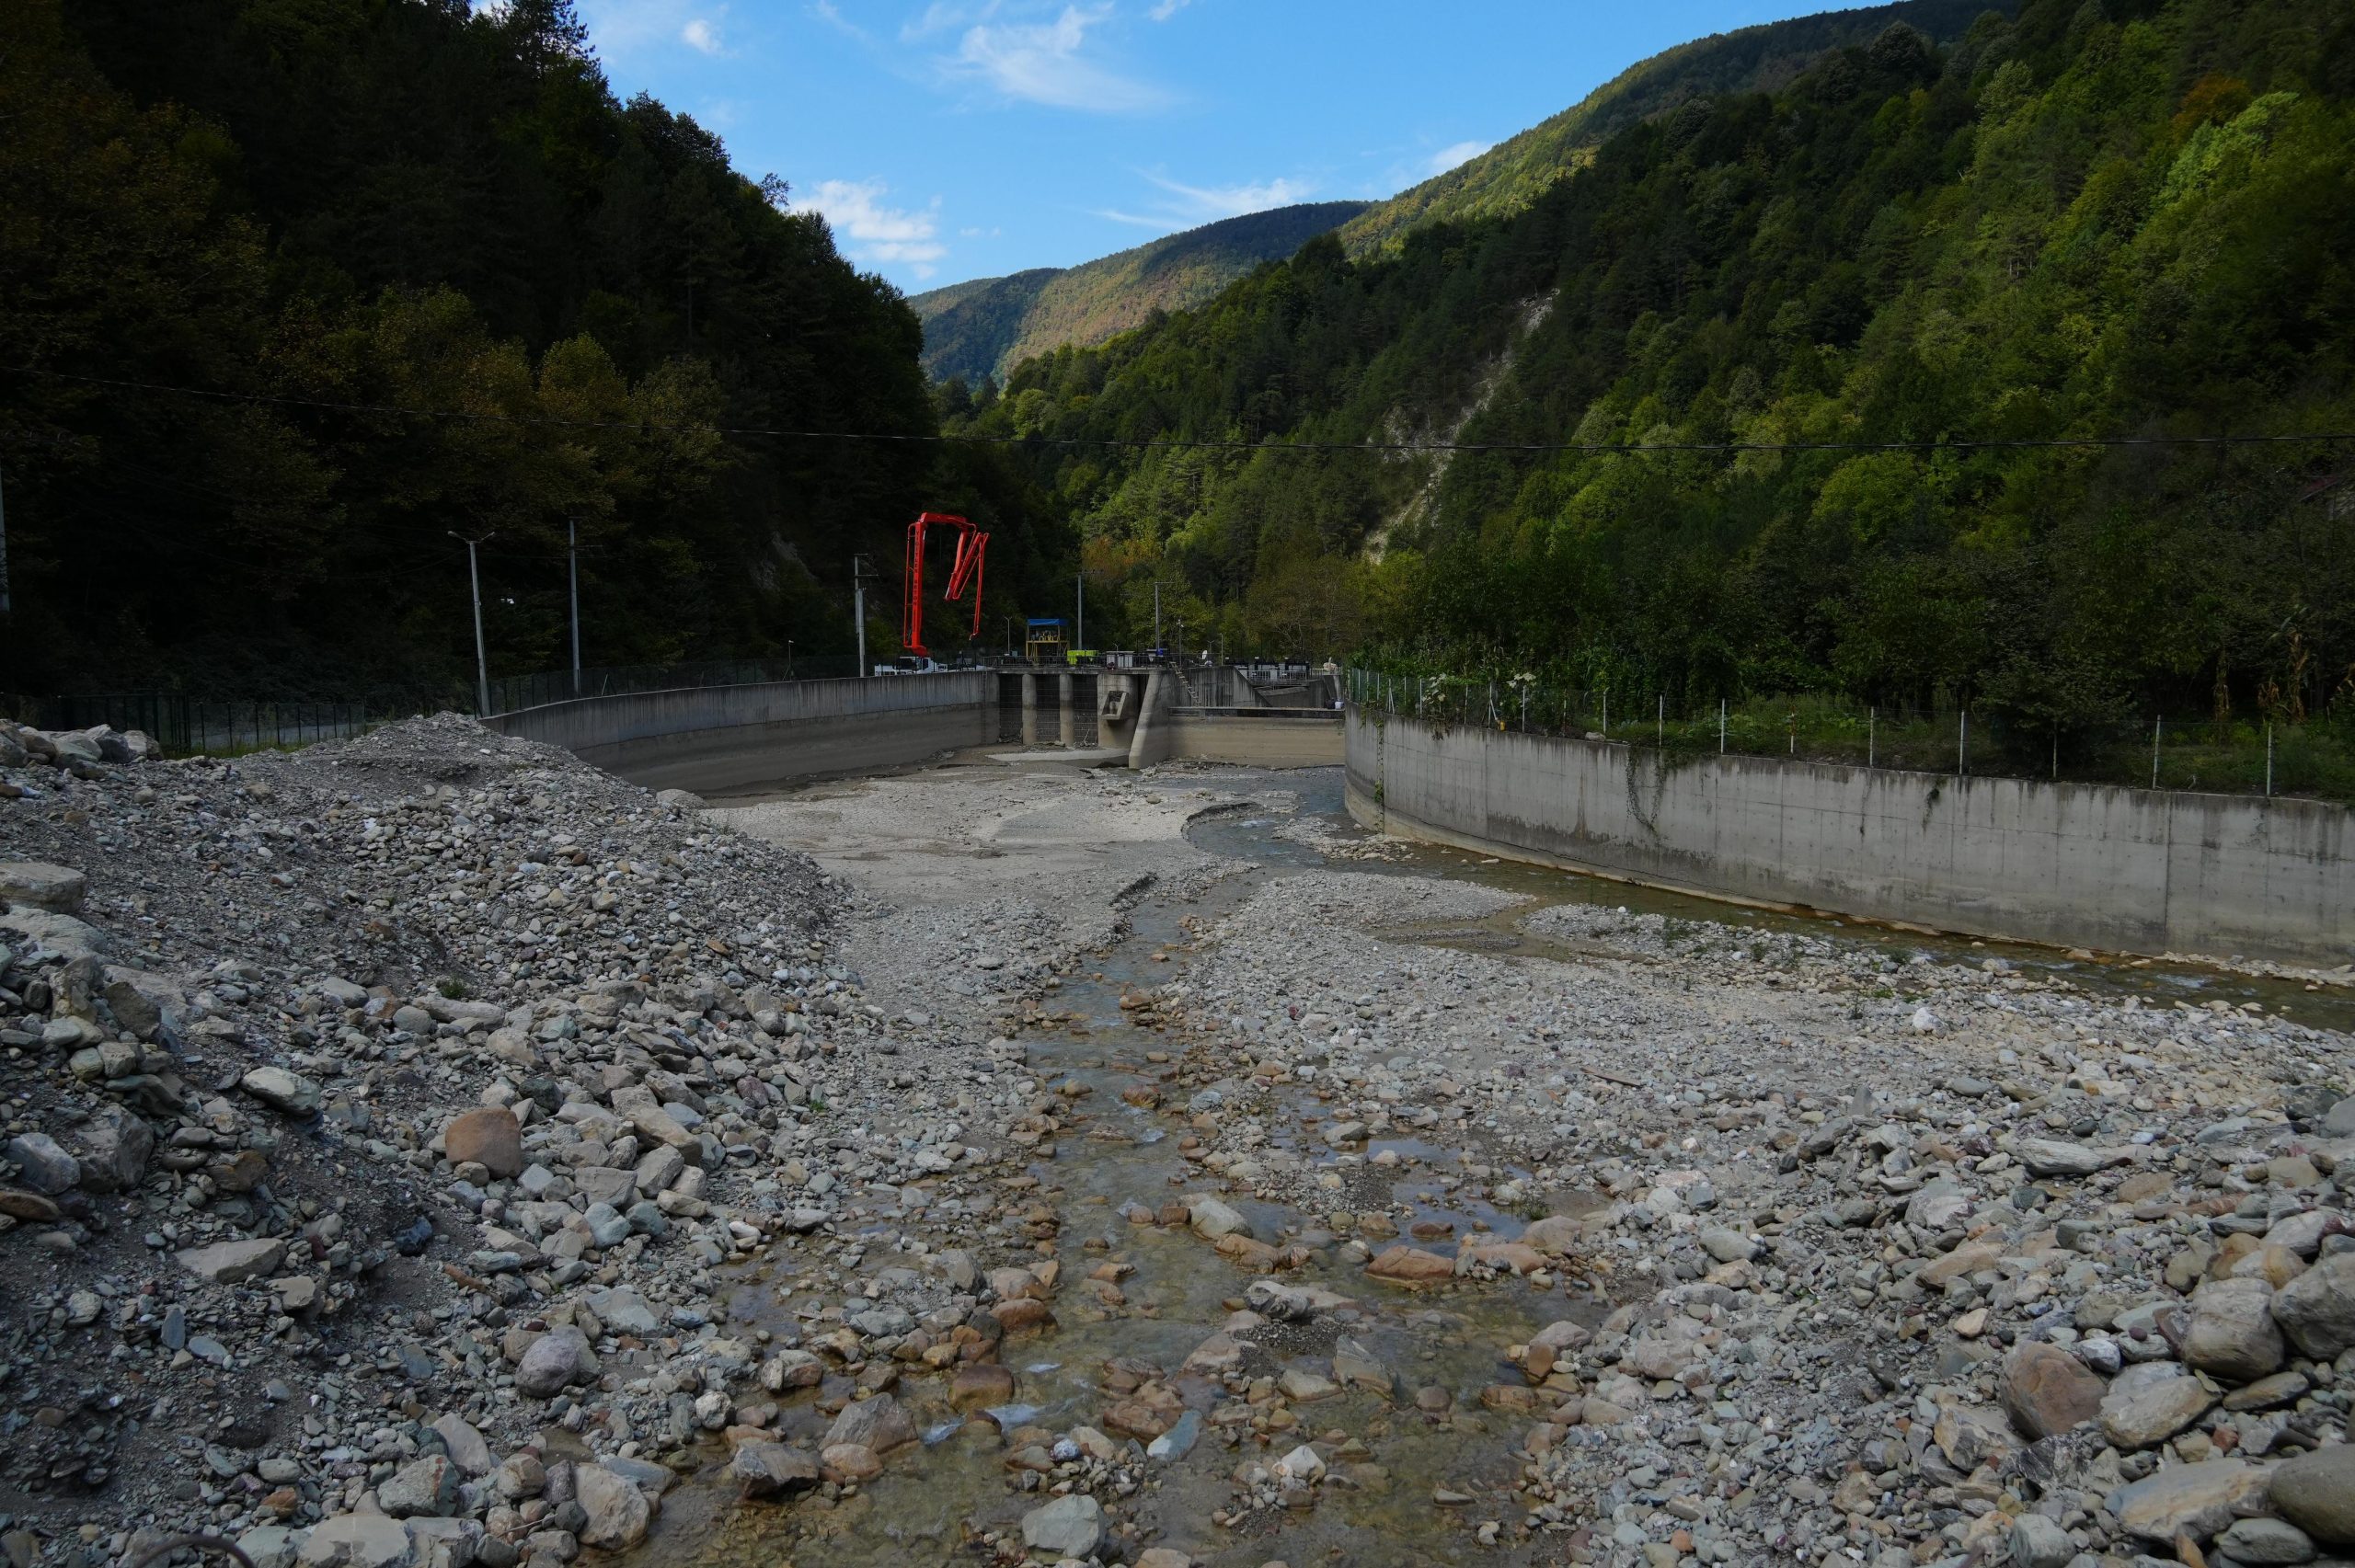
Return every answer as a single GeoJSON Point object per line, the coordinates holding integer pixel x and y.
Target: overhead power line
{"type": "Point", "coordinates": [2311, 438]}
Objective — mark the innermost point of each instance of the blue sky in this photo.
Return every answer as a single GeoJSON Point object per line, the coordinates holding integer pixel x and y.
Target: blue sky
{"type": "Point", "coordinates": [955, 138]}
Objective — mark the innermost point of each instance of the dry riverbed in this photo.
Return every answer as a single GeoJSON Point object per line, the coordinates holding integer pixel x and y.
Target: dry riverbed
{"type": "Point", "coordinates": [981, 1165]}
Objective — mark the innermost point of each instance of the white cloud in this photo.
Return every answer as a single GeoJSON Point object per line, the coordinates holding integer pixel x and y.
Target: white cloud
{"type": "Point", "coordinates": [1447, 158]}
{"type": "Point", "coordinates": [880, 234]}
{"type": "Point", "coordinates": [619, 28]}
{"type": "Point", "coordinates": [1164, 9]}
{"type": "Point", "coordinates": [1161, 224]}
{"type": "Point", "coordinates": [941, 15]}
{"type": "Point", "coordinates": [1205, 202]}
{"type": "Point", "coordinates": [1041, 63]}
{"type": "Point", "coordinates": [1190, 206]}
{"type": "Point", "coordinates": [829, 13]}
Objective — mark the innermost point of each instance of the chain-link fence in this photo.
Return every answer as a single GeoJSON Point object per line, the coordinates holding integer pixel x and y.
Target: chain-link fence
{"type": "Point", "coordinates": [2235, 756]}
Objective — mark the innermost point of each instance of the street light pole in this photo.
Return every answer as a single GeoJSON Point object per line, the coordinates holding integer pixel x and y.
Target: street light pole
{"type": "Point", "coordinates": [482, 660]}
{"type": "Point", "coordinates": [572, 560]}
{"type": "Point", "coordinates": [858, 606]}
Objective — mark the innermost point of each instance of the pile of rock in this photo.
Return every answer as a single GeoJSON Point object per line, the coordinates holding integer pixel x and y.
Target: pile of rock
{"type": "Point", "coordinates": [373, 1108]}
{"type": "Point", "coordinates": [1921, 1261]}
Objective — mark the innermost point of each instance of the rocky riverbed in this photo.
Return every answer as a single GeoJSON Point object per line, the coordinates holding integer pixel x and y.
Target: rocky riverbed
{"type": "Point", "coordinates": [425, 1149]}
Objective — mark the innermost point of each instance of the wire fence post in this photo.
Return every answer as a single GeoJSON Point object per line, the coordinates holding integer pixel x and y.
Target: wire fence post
{"type": "Point", "coordinates": [2268, 759]}
{"type": "Point", "coordinates": [2158, 725]}
{"type": "Point", "coordinates": [1722, 727]}
{"type": "Point", "coordinates": [1791, 726]}
{"type": "Point", "coordinates": [1872, 736]}
{"type": "Point", "coordinates": [1659, 736]}
{"type": "Point", "coordinates": [1962, 749]}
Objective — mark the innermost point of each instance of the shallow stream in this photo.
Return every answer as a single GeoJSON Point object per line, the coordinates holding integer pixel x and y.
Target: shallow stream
{"type": "Point", "coordinates": [925, 1506]}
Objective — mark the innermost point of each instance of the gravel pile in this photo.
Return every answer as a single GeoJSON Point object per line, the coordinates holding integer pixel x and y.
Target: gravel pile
{"type": "Point", "coordinates": [377, 1111]}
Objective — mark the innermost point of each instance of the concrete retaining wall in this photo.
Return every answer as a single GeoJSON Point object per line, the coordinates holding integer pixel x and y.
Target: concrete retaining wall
{"type": "Point", "coordinates": [724, 739]}
{"type": "Point", "coordinates": [2129, 870]}
{"type": "Point", "coordinates": [1312, 740]}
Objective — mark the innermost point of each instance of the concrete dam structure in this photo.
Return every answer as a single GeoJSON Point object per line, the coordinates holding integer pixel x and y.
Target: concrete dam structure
{"type": "Point", "coordinates": [721, 740]}
{"type": "Point", "coordinates": [2129, 870]}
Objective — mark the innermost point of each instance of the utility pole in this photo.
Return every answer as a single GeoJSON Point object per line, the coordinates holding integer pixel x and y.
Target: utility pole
{"type": "Point", "coordinates": [572, 561]}
{"type": "Point", "coordinates": [1079, 637]}
{"type": "Point", "coordinates": [1156, 615]}
{"type": "Point", "coordinates": [858, 574]}
{"type": "Point", "coordinates": [482, 660]}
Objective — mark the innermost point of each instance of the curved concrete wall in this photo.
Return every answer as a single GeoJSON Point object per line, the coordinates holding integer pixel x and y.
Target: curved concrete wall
{"type": "Point", "coordinates": [2129, 870]}
{"type": "Point", "coordinates": [719, 739]}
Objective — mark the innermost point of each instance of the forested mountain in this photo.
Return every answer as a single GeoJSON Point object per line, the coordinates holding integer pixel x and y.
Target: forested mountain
{"type": "Point", "coordinates": [983, 328]}
{"type": "Point", "coordinates": [1508, 176]}
{"type": "Point", "coordinates": [1889, 281]}
{"type": "Point", "coordinates": [428, 276]}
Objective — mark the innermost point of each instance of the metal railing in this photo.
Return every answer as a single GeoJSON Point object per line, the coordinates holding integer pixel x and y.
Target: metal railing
{"type": "Point", "coordinates": [2244, 756]}
{"type": "Point", "coordinates": [513, 693]}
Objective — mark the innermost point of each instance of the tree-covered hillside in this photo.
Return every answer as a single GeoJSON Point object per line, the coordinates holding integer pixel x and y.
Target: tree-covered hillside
{"type": "Point", "coordinates": [982, 330]}
{"type": "Point", "coordinates": [2107, 218]}
{"type": "Point", "coordinates": [333, 215]}
{"type": "Point", "coordinates": [1511, 175]}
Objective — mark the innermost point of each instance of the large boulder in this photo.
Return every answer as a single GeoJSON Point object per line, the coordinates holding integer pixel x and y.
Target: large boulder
{"type": "Point", "coordinates": [764, 1469]}
{"type": "Point", "coordinates": [47, 1167]}
{"type": "Point", "coordinates": [2149, 1403]}
{"type": "Point", "coordinates": [466, 1446]}
{"type": "Point", "coordinates": [1068, 1526]}
{"type": "Point", "coordinates": [2315, 1491]}
{"type": "Point", "coordinates": [618, 1510]}
{"type": "Point", "coordinates": [1212, 1218]}
{"type": "Point", "coordinates": [1403, 1264]}
{"type": "Point", "coordinates": [2231, 1334]}
{"type": "Point", "coordinates": [57, 888]}
{"type": "Point", "coordinates": [282, 1091]}
{"type": "Point", "coordinates": [114, 1147]}
{"type": "Point", "coordinates": [354, 1540]}
{"type": "Point", "coordinates": [2317, 1308]}
{"type": "Point", "coordinates": [2197, 1500]}
{"type": "Point", "coordinates": [233, 1262]}
{"type": "Point", "coordinates": [554, 1362]}
{"type": "Point", "coordinates": [490, 1137]}
{"type": "Point", "coordinates": [879, 1424]}
{"type": "Point", "coordinates": [2046, 1390]}
{"type": "Point", "coordinates": [2052, 1157]}
{"type": "Point", "coordinates": [1558, 1235]}
{"type": "Point", "coordinates": [428, 1484]}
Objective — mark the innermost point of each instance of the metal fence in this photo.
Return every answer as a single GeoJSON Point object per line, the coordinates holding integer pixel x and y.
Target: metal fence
{"type": "Point", "coordinates": [186, 726]}
{"type": "Point", "coordinates": [2235, 756]}
{"type": "Point", "coordinates": [511, 693]}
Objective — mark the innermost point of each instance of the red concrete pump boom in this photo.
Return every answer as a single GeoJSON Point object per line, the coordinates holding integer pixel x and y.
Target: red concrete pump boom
{"type": "Point", "coordinates": [963, 569]}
